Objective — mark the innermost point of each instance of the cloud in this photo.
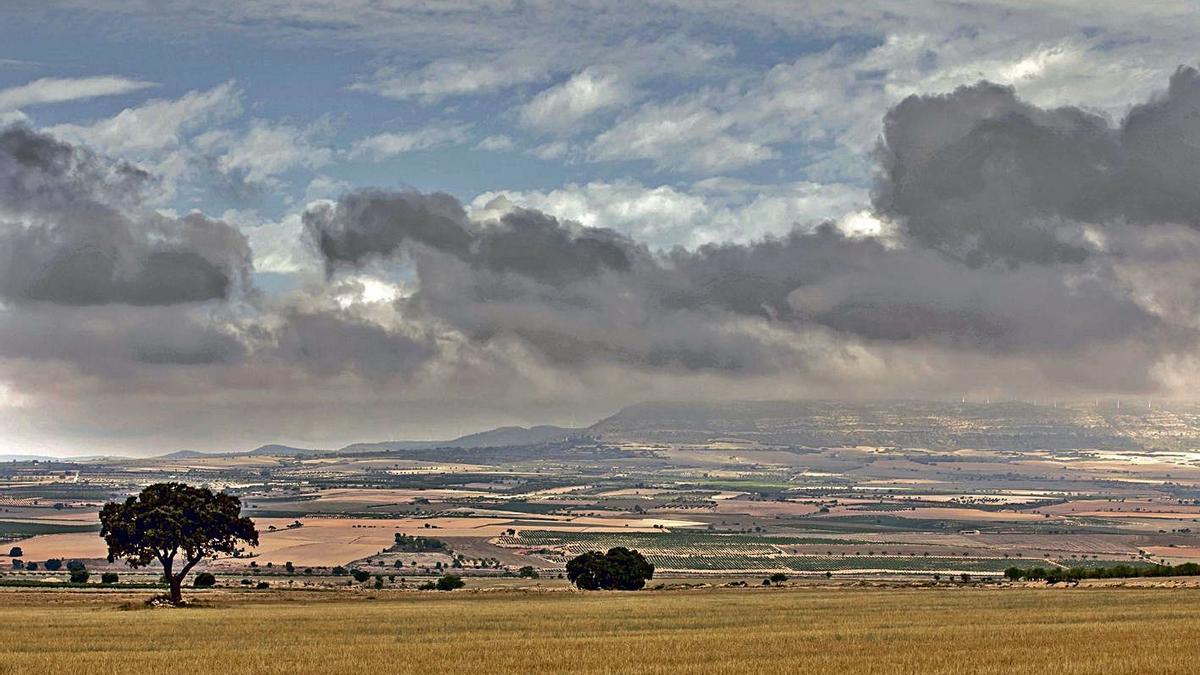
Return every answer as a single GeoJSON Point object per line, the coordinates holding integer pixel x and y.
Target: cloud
{"type": "Point", "coordinates": [664, 216]}
{"type": "Point", "coordinates": [581, 296]}
{"type": "Point", "coordinates": [447, 77]}
{"type": "Point", "coordinates": [983, 176]}
{"type": "Point", "coordinates": [561, 108]}
{"type": "Point", "coordinates": [387, 145]}
{"type": "Point", "coordinates": [265, 150]}
{"type": "Point", "coordinates": [156, 125]}
{"type": "Point", "coordinates": [58, 90]}
{"type": "Point", "coordinates": [73, 231]}
{"type": "Point", "coordinates": [496, 143]}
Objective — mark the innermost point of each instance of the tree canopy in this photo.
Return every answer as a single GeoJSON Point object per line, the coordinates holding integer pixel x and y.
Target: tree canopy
{"type": "Point", "coordinates": [620, 569]}
{"type": "Point", "coordinates": [176, 525]}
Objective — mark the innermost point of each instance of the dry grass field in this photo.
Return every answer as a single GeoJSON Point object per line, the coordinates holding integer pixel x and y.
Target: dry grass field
{"type": "Point", "coordinates": [813, 629]}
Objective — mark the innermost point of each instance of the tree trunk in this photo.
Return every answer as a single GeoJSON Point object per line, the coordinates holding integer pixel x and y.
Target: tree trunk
{"type": "Point", "coordinates": [174, 582]}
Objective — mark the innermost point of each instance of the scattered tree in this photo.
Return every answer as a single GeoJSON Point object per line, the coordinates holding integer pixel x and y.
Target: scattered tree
{"type": "Point", "coordinates": [449, 582]}
{"type": "Point", "coordinates": [53, 564]}
{"type": "Point", "coordinates": [620, 569]}
{"type": "Point", "coordinates": [177, 525]}
{"type": "Point", "coordinates": [360, 575]}
{"type": "Point", "coordinates": [778, 578]}
{"type": "Point", "coordinates": [15, 552]}
{"type": "Point", "coordinates": [527, 572]}
{"type": "Point", "coordinates": [204, 580]}
{"type": "Point", "coordinates": [79, 576]}
{"type": "Point", "coordinates": [109, 578]}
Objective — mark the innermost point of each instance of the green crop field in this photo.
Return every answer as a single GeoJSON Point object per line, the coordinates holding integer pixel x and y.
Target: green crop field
{"type": "Point", "coordinates": [769, 630]}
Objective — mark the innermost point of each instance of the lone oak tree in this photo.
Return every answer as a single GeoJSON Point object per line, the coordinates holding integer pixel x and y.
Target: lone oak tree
{"type": "Point", "coordinates": [620, 569]}
{"type": "Point", "coordinates": [177, 525]}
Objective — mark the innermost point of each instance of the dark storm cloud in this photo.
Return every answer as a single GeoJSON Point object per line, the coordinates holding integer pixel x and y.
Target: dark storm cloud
{"type": "Point", "coordinates": [983, 176]}
{"type": "Point", "coordinates": [117, 341]}
{"type": "Point", "coordinates": [583, 296]}
{"type": "Point", "coordinates": [74, 231]}
{"type": "Point", "coordinates": [374, 224]}
{"type": "Point", "coordinates": [330, 342]}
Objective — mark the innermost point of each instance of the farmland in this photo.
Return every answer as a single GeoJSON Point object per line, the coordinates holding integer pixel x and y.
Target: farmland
{"type": "Point", "coordinates": [716, 492]}
{"type": "Point", "coordinates": [776, 630]}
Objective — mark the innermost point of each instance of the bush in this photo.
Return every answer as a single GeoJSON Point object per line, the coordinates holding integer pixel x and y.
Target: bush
{"type": "Point", "coordinates": [427, 586]}
{"type": "Point", "coordinates": [620, 569]}
{"type": "Point", "coordinates": [31, 566]}
{"type": "Point", "coordinates": [360, 575]}
{"type": "Point", "coordinates": [74, 565]}
{"type": "Point", "coordinates": [340, 571]}
{"type": "Point", "coordinates": [204, 580]}
{"type": "Point", "coordinates": [449, 582]}
{"type": "Point", "coordinates": [53, 564]}
{"type": "Point", "coordinates": [109, 578]}
{"type": "Point", "coordinates": [18, 564]}
{"type": "Point", "coordinates": [778, 578]}
{"type": "Point", "coordinates": [527, 572]}
{"type": "Point", "coordinates": [262, 584]}
{"type": "Point", "coordinates": [79, 576]}
{"type": "Point", "coordinates": [15, 552]}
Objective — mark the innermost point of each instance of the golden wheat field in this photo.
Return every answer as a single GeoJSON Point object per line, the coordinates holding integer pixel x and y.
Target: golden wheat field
{"type": "Point", "coordinates": [768, 631]}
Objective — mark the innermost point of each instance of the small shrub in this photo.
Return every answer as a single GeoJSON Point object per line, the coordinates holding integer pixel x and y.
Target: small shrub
{"type": "Point", "coordinates": [360, 575]}
{"type": "Point", "coordinates": [53, 564]}
{"type": "Point", "coordinates": [204, 580]}
{"type": "Point", "coordinates": [109, 578]}
{"type": "Point", "coordinates": [79, 576]}
{"type": "Point", "coordinates": [262, 584]}
{"type": "Point", "coordinates": [449, 582]}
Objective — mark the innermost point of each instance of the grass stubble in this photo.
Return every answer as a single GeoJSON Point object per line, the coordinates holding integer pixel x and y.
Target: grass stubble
{"type": "Point", "coordinates": [784, 630]}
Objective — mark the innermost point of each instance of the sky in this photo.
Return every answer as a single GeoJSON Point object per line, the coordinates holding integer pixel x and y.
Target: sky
{"type": "Point", "coordinates": [224, 224]}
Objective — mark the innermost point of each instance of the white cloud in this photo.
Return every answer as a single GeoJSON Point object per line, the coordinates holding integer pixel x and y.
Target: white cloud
{"type": "Point", "coordinates": [325, 187]}
{"type": "Point", "coordinates": [59, 90]}
{"type": "Point", "coordinates": [383, 146]}
{"type": "Point", "coordinates": [158, 124]}
{"type": "Point", "coordinates": [266, 149]}
{"type": "Point", "coordinates": [552, 151]}
{"type": "Point", "coordinates": [447, 77]}
{"type": "Point", "coordinates": [711, 211]}
{"type": "Point", "coordinates": [279, 246]}
{"type": "Point", "coordinates": [562, 107]}
{"type": "Point", "coordinates": [497, 143]}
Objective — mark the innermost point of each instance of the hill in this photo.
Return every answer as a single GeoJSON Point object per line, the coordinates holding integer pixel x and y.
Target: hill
{"type": "Point", "coordinates": [493, 438]}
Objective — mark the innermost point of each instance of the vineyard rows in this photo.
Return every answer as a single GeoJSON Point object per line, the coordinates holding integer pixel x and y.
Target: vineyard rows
{"type": "Point", "coordinates": [707, 552]}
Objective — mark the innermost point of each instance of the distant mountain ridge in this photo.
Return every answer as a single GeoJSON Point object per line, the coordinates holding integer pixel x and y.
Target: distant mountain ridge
{"type": "Point", "coordinates": [493, 438]}
{"type": "Point", "coordinates": [908, 424]}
